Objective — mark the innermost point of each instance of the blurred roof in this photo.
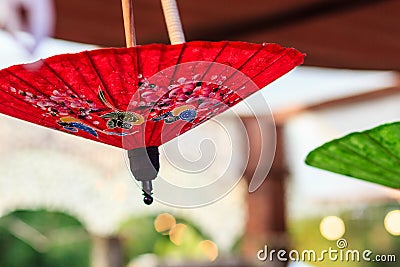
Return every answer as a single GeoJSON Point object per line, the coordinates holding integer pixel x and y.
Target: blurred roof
{"type": "Point", "coordinates": [347, 34]}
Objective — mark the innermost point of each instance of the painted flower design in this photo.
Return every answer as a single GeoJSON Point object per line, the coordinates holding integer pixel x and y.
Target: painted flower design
{"type": "Point", "coordinates": [59, 104]}
{"type": "Point", "coordinates": [185, 113]}
{"type": "Point", "coordinates": [122, 119]}
{"type": "Point", "coordinates": [74, 125]}
{"type": "Point", "coordinates": [205, 98]}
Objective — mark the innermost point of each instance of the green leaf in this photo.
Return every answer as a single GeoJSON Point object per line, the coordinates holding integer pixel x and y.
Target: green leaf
{"type": "Point", "coordinates": [372, 155]}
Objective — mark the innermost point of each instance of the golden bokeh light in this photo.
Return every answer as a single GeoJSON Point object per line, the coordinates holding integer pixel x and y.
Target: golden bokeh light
{"type": "Point", "coordinates": [392, 222]}
{"type": "Point", "coordinates": [209, 249]}
{"type": "Point", "coordinates": [177, 233]}
{"type": "Point", "coordinates": [332, 227]}
{"type": "Point", "coordinates": [164, 223]}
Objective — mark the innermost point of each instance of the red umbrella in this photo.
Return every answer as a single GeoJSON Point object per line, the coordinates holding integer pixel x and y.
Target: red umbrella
{"type": "Point", "coordinates": [140, 97]}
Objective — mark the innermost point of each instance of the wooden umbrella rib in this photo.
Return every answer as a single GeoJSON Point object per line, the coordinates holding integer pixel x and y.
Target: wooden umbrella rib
{"type": "Point", "coordinates": [106, 89]}
{"type": "Point", "coordinates": [5, 103]}
{"type": "Point", "coordinates": [178, 62]}
{"type": "Point", "coordinates": [33, 87]}
{"type": "Point", "coordinates": [272, 62]}
{"type": "Point", "coordinates": [243, 64]}
{"type": "Point", "coordinates": [88, 122]}
{"type": "Point", "coordinates": [215, 58]}
{"type": "Point", "coordinates": [184, 45]}
{"type": "Point", "coordinates": [58, 76]}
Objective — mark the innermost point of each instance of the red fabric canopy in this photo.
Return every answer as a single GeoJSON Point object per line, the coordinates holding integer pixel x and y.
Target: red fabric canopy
{"type": "Point", "coordinates": [140, 96]}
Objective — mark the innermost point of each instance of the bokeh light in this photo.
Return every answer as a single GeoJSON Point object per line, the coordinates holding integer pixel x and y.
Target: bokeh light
{"type": "Point", "coordinates": [164, 223]}
{"type": "Point", "coordinates": [177, 233]}
{"type": "Point", "coordinates": [332, 227]}
{"type": "Point", "coordinates": [392, 222]}
{"type": "Point", "coordinates": [209, 249]}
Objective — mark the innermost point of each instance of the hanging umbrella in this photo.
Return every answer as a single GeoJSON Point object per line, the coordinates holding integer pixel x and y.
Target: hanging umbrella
{"type": "Point", "coordinates": [140, 97]}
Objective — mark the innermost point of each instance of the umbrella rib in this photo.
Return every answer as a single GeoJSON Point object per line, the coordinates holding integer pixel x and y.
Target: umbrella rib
{"type": "Point", "coordinates": [288, 68]}
{"type": "Point", "coordinates": [161, 57]}
{"type": "Point", "coordinates": [287, 52]}
{"type": "Point", "coordinates": [209, 68]}
{"type": "Point", "coordinates": [177, 62]}
{"type": "Point", "coordinates": [139, 73]}
{"type": "Point", "coordinates": [106, 137]}
{"type": "Point", "coordinates": [157, 124]}
{"type": "Point", "coordinates": [24, 115]}
{"type": "Point", "coordinates": [245, 63]}
{"type": "Point", "coordinates": [240, 67]}
{"type": "Point", "coordinates": [34, 88]}
{"type": "Point", "coordinates": [86, 121]}
{"type": "Point", "coordinates": [23, 111]}
{"type": "Point", "coordinates": [271, 63]}
{"type": "Point", "coordinates": [119, 70]}
{"type": "Point", "coordinates": [215, 58]}
{"type": "Point", "coordinates": [125, 90]}
{"type": "Point", "coordinates": [99, 76]}
{"type": "Point", "coordinates": [27, 83]}
{"type": "Point", "coordinates": [61, 79]}
{"type": "Point", "coordinates": [170, 83]}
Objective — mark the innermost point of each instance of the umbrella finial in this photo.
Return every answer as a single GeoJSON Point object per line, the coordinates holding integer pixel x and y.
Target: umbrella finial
{"type": "Point", "coordinates": [147, 199]}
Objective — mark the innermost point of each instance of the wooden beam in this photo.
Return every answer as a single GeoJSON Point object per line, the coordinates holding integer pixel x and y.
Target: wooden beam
{"type": "Point", "coordinates": [282, 116]}
{"type": "Point", "coordinates": [266, 224]}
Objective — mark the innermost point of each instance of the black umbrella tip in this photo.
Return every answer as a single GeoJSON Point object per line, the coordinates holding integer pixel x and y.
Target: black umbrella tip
{"type": "Point", "coordinates": [147, 199]}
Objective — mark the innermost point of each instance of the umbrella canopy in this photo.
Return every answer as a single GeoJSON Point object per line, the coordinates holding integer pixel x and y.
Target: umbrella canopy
{"type": "Point", "coordinates": [106, 94]}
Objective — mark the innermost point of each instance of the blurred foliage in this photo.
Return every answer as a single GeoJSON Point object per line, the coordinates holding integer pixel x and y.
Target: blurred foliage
{"type": "Point", "coordinates": [43, 239]}
{"type": "Point", "coordinates": [140, 237]}
{"type": "Point", "coordinates": [364, 231]}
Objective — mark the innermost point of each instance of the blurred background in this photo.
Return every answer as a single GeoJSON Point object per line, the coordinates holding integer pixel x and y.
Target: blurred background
{"type": "Point", "coordinates": [65, 201]}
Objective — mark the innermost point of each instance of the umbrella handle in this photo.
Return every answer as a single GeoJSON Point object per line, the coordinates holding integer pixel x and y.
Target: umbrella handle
{"type": "Point", "coordinates": [173, 21]}
{"type": "Point", "coordinates": [129, 24]}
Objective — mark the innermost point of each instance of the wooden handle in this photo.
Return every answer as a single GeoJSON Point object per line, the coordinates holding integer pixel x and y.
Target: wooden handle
{"type": "Point", "coordinates": [129, 25]}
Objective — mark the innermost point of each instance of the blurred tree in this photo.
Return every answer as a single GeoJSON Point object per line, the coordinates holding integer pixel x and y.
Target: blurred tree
{"type": "Point", "coordinates": [43, 238]}
{"type": "Point", "coordinates": [140, 237]}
